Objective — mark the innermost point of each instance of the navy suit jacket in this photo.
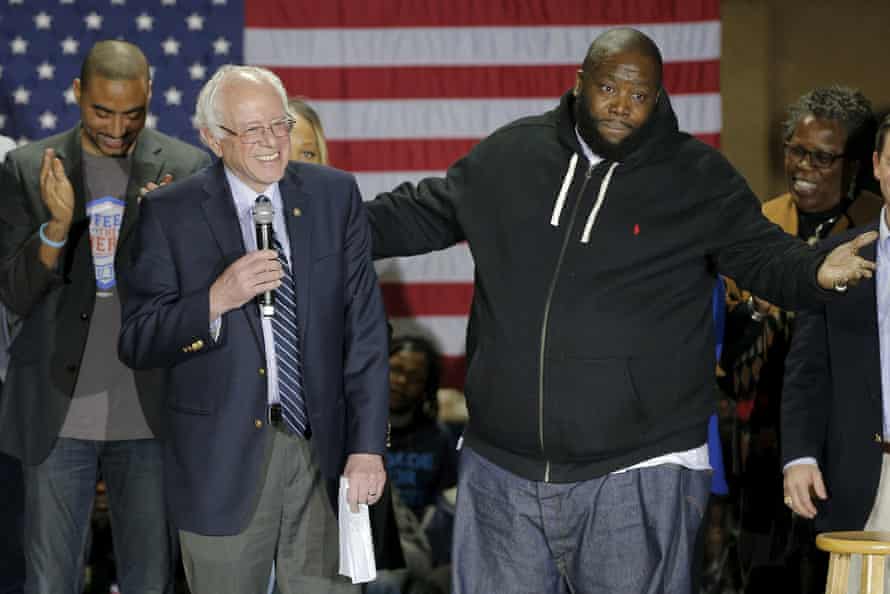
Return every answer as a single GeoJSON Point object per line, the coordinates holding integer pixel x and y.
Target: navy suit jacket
{"type": "Point", "coordinates": [216, 390]}
{"type": "Point", "coordinates": [831, 398]}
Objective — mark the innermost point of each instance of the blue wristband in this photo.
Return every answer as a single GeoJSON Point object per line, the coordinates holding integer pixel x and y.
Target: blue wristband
{"type": "Point", "coordinates": [48, 241]}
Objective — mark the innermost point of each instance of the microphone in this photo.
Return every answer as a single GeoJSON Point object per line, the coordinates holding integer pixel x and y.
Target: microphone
{"type": "Point", "coordinates": [263, 214]}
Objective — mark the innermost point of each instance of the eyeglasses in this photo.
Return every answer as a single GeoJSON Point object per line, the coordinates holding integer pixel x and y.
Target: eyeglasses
{"type": "Point", "coordinates": [818, 159]}
{"type": "Point", "coordinates": [254, 134]}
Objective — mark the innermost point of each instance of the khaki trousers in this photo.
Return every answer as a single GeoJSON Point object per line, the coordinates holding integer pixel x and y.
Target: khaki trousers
{"type": "Point", "coordinates": [293, 524]}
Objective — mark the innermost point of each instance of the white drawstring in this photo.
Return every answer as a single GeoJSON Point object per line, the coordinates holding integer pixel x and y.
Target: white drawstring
{"type": "Point", "coordinates": [561, 199]}
{"type": "Point", "coordinates": [600, 198]}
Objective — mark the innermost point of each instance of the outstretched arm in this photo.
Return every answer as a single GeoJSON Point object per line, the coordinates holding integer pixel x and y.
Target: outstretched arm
{"type": "Point", "coordinates": [844, 266]}
{"type": "Point", "coordinates": [416, 219]}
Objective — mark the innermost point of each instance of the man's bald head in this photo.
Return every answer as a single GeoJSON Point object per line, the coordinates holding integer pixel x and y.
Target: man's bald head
{"type": "Point", "coordinates": [114, 60]}
{"type": "Point", "coordinates": [622, 40]}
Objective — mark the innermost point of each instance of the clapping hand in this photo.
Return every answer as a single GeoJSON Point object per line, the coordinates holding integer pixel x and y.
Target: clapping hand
{"type": "Point", "coordinates": [57, 194]}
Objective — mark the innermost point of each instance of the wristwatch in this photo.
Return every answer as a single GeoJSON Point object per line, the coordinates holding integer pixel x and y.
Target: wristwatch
{"type": "Point", "coordinates": [755, 315]}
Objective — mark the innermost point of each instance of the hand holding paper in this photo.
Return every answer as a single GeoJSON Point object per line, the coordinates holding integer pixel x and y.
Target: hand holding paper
{"type": "Point", "coordinates": [356, 546]}
{"type": "Point", "coordinates": [366, 476]}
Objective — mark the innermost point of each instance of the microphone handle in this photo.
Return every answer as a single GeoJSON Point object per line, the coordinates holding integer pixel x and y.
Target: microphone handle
{"type": "Point", "coordinates": [265, 299]}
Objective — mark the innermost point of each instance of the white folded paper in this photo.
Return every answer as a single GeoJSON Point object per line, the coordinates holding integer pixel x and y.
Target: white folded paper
{"type": "Point", "coordinates": [356, 546]}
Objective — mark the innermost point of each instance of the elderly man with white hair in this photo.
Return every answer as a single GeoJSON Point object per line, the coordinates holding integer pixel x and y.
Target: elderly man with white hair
{"type": "Point", "coordinates": [264, 402]}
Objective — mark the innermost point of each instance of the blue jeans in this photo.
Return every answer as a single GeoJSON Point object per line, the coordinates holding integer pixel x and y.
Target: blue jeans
{"type": "Point", "coordinates": [59, 495]}
{"type": "Point", "coordinates": [631, 532]}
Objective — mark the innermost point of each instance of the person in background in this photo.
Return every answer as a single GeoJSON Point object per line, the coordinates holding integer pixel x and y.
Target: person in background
{"type": "Point", "coordinates": [6, 145]}
{"type": "Point", "coordinates": [422, 460]}
{"type": "Point", "coordinates": [836, 401]}
{"type": "Point", "coordinates": [710, 542]}
{"type": "Point", "coordinates": [828, 137]}
{"type": "Point", "coordinates": [307, 136]}
{"type": "Point", "coordinates": [421, 463]}
{"type": "Point", "coordinates": [12, 497]}
{"type": "Point", "coordinates": [70, 409]}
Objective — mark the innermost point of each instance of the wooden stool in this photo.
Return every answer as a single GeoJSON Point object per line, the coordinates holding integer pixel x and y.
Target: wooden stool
{"type": "Point", "coordinates": [873, 546]}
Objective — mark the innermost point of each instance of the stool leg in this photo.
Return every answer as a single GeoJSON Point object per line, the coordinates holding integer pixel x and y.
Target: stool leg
{"type": "Point", "coordinates": [872, 575]}
{"type": "Point", "coordinates": [838, 573]}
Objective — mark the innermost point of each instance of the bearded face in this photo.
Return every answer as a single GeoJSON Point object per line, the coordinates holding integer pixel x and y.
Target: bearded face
{"type": "Point", "coordinates": [614, 102]}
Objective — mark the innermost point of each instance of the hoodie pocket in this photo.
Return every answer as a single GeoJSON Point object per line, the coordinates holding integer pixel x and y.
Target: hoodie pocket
{"type": "Point", "coordinates": [591, 408]}
{"type": "Point", "coordinates": [668, 385]}
{"type": "Point", "coordinates": [597, 408]}
{"type": "Point", "coordinates": [501, 391]}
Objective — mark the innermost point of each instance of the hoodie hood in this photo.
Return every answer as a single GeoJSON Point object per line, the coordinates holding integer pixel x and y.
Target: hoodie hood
{"type": "Point", "coordinates": [658, 137]}
{"type": "Point", "coordinates": [660, 132]}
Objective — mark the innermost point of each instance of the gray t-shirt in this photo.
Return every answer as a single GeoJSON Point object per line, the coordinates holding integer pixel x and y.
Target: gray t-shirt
{"type": "Point", "coordinates": [105, 405]}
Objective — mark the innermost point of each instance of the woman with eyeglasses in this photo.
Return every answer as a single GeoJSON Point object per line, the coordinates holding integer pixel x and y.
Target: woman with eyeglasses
{"type": "Point", "coordinates": [828, 137]}
{"type": "Point", "coordinates": [828, 141]}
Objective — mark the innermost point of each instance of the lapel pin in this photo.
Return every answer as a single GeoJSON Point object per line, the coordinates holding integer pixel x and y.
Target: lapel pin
{"type": "Point", "coordinates": [297, 212]}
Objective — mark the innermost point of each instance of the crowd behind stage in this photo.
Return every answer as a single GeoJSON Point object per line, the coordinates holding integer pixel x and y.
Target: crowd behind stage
{"type": "Point", "coordinates": [706, 393]}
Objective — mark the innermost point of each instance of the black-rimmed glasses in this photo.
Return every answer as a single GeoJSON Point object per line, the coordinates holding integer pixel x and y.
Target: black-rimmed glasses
{"type": "Point", "coordinates": [818, 159]}
{"type": "Point", "coordinates": [254, 134]}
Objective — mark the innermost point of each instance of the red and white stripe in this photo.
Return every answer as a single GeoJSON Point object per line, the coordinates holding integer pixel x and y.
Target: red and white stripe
{"type": "Point", "coordinates": [405, 88]}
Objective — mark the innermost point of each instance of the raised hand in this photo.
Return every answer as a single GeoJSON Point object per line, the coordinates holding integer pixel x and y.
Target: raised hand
{"type": "Point", "coordinates": [57, 194]}
{"type": "Point", "coordinates": [843, 266]}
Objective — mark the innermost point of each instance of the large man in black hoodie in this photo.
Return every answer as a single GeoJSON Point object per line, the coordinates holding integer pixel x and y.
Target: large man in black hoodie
{"type": "Point", "coordinates": [596, 231]}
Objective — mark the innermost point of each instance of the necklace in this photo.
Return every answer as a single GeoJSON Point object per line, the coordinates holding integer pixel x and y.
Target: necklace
{"type": "Point", "coordinates": [826, 225]}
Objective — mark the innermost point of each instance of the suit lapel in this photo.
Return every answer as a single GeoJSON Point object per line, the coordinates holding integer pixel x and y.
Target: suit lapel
{"type": "Point", "coordinates": [222, 218]}
{"type": "Point", "coordinates": [297, 213]}
{"type": "Point", "coordinates": [147, 166]}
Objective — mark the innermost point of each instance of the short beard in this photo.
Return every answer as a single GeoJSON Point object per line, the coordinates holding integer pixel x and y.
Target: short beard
{"type": "Point", "coordinates": [589, 131]}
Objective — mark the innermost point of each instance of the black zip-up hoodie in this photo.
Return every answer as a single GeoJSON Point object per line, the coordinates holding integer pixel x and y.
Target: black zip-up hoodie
{"type": "Point", "coordinates": [591, 343]}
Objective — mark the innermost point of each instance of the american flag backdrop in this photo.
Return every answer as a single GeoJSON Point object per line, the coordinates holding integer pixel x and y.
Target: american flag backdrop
{"type": "Point", "coordinates": [404, 87]}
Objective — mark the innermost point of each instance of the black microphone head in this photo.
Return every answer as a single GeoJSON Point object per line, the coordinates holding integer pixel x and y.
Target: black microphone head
{"type": "Point", "coordinates": [263, 211]}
